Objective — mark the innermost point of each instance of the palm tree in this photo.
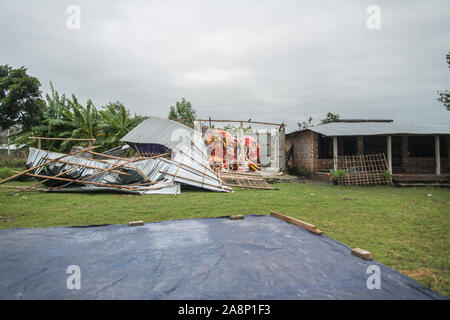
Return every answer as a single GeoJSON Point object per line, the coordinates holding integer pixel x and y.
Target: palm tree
{"type": "Point", "coordinates": [67, 118]}
{"type": "Point", "coordinates": [115, 123]}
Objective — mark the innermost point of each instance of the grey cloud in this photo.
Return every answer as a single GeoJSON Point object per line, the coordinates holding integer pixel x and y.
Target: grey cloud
{"type": "Point", "coordinates": [265, 60]}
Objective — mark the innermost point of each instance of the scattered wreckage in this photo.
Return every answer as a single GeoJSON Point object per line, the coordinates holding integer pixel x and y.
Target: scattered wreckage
{"type": "Point", "coordinates": [169, 154]}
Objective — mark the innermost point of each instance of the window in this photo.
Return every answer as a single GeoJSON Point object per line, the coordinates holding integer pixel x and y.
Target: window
{"type": "Point", "coordinates": [325, 146]}
{"type": "Point", "coordinates": [375, 144]}
{"type": "Point", "coordinates": [421, 146]}
{"type": "Point", "coordinates": [350, 145]}
{"type": "Point", "coordinates": [443, 143]}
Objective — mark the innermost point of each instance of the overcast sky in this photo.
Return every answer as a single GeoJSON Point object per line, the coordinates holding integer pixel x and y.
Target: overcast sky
{"type": "Point", "coordinates": [265, 60]}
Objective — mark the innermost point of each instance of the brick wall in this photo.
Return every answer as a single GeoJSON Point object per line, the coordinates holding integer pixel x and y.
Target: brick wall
{"type": "Point", "coordinates": [304, 149]}
{"type": "Point", "coordinates": [421, 164]}
{"type": "Point", "coordinates": [305, 154]}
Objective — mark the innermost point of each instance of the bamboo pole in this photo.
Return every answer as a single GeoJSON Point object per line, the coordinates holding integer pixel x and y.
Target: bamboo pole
{"type": "Point", "coordinates": [61, 139]}
{"type": "Point", "coordinates": [208, 168]}
{"type": "Point", "coordinates": [79, 181]}
{"type": "Point", "coordinates": [46, 163]}
{"type": "Point", "coordinates": [22, 187]}
{"type": "Point", "coordinates": [246, 121]}
{"type": "Point", "coordinates": [43, 181]}
{"type": "Point", "coordinates": [92, 167]}
{"type": "Point", "coordinates": [115, 167]}
{"type": "Point", "coordinates": [105, 171]}
{"type": "Point", "coordinates": [191, 168]}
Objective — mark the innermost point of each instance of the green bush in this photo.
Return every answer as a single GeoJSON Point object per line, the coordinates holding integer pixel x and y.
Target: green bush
{"type": "Point", "coordinates": [6, 172]}
{"type": "Point", "coordinates": [12, 162]}
{"type": "Point", "coordinates": [338, 174]}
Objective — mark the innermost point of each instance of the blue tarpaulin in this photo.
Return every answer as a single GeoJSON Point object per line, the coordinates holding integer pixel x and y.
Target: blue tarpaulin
{"type": "Point", "coordinates": [260, 257]}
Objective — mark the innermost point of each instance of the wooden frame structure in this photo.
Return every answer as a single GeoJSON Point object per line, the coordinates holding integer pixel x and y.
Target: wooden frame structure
{"type": "Point", "coordinates": [90, 141]}
{"type": "Point", "coordinates": [363, 170]}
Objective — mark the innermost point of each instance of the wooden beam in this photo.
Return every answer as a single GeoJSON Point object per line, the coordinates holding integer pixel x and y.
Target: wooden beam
{"type": "Point", "coordinates": [246, 121]}
{"type": "Point", "coordinates": [60, 139]}
{"type": "Point", "coordinates": [79, 181]}
{"type": "Point", "coordinates": [136, 223]}
{"type": "Point", "coordinates": [305, 225]}
{"type": "Point", "coordinates": [91, 167]}
{"type": "Point", "coordinates": [105, 171]}
{"type": "Point", "coordinates": [363, 254]}
{"type": "Point", "coordinates": [46, 163]}
{"type": "Point", "coordinates": [43, 181]}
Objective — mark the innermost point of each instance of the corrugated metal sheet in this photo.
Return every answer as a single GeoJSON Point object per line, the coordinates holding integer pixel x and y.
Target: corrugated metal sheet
{"type": "Point", "coordinates": [378, 128]}
{"type": "Point", "coordinates": [159, 131]}
{"type": "Point", "coordinates": [168, 173]}
{"type": "Point", "coordinates": [188, 164]}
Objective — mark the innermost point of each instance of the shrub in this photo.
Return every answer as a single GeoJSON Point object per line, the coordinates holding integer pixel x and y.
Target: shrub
{"type": "Point", "coordinates": [6, 172]}
{"type": "Point", "coordinates": [338, 174]}
{"type": "Point", "coordinates": [12, 162]}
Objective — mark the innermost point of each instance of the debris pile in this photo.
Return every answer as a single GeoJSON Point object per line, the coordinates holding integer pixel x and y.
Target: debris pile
{"type": "Point", "coordinates": [170, 154]}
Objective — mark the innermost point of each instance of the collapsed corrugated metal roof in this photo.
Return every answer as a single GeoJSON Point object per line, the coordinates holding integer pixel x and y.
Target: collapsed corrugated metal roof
{"type": "Point", "coordinates": [143, 176]}
{"type": "Point", "coordinates": [378, 128]}
{"type": "Point", "coordinates": [155, 175]}
{"type": "Point", "coordinates": [158, 131]}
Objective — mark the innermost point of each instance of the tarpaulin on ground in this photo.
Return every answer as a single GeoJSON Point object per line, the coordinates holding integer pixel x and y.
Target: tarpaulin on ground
{"type": "Point", "coordinates": [260, 257]}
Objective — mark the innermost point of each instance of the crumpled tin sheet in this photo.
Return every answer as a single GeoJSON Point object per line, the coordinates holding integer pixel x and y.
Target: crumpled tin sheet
{"type": "Point", "coordinates": [172, 172]}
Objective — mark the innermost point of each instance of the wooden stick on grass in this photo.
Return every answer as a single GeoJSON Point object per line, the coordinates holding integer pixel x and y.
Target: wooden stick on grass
{"type": "Point", "coordinates": [45, 163]}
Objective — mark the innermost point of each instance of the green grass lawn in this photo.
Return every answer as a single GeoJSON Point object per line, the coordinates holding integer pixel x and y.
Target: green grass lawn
{"type": "Point", "coordinates": [403, 228]}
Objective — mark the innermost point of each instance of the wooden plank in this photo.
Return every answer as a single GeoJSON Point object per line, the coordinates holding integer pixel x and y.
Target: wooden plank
{"type": "Point", "coordinates": [60, 139]}
{"type": "Point", "coordinates": [91, 167]}
{"type": "Point", "coordinates": [78, 181]}
{"type": "Point", "coordinates": [136, 223]}
{"type": "Point", "coordinates": [246, 121]}
{"type": "Point", "coordinates": [239, 185]}
{"type": "Point", "coordinates": [364, 254]}
{"type": "Point", "coordinates": [104, 171]}
{"type": "Point", "coordinates": [42, 181]}
{"type": "Point", "coordinates": [305, 225]}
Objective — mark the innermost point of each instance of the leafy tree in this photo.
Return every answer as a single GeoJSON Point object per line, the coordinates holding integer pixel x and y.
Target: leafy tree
{"type": "Point", "coordinates": [305, 124]}
{"type": "Point", "coordinates": [330, 118]}
{"type": "Point", "coordinates": [183, 112]}
{"type": "Point", "coordinates": [67, 118]}
{"type": "Point", "coordinates": [308, 124]}
{"type": "Point", "coordinates": [444, 96]}
{"type": "Point", "coordinates": [20, 98]}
